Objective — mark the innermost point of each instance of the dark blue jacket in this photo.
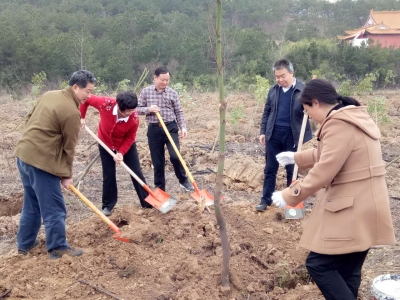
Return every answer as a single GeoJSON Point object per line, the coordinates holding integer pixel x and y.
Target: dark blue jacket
{"type": "Point", "coordinates": [296, 114]}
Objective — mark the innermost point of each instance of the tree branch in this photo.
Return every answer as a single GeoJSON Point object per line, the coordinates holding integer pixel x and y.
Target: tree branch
{"type": "Point", "coordinates": [99, 289]}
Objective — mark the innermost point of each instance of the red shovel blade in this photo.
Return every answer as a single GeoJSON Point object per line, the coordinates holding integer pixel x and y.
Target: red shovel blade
{"type": "Point", "coordinates": [120, 238]}
{"type": "Point", "coordinates": [294, 212]}
{"type": "Point", "coordinates": [161, 200]}
{"type": "Point", "coordinates": [203, 194]}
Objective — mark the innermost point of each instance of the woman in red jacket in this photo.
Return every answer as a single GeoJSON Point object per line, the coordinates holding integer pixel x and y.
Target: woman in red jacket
{"type": "Point", "coordinates": [118, 125]}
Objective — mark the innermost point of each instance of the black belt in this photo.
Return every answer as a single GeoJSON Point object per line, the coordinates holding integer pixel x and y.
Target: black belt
{"type": "Point", "coordinates": [159, 124]}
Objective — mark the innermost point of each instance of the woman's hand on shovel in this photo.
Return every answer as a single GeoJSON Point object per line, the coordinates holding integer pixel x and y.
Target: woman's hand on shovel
{"type": "Point", "coordinates": [278, 200]}
{"type": "Point", "coordinates": [118, 158]}
{"type": "Point", "coordinates": [285, 158]}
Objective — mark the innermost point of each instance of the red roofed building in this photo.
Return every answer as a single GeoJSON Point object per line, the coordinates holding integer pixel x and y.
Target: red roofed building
{"type": "Point", "coordinates": [381, 27]}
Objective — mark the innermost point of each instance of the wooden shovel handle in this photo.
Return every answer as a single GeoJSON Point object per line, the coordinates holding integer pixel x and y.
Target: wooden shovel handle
{"type": "Point", "coordinates": [300, 144]}
{"type": "Point", "coordinates": [301, 139]}
{"type": "Point", "coordinates": [95, 209]}
{"type": "Point", "coordinates": [176, 149]}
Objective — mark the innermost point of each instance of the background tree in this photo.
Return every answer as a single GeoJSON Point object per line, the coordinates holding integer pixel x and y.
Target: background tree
{"type": "Point", "coordinates": [118, 39]}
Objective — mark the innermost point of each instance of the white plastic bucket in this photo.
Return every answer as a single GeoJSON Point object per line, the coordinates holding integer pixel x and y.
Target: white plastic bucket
{"type": "Point", "coordinates": [386, 287]}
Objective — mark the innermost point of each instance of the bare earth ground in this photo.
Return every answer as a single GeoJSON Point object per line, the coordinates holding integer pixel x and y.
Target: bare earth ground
{"type": "Point", "coordinates": [177, 255]}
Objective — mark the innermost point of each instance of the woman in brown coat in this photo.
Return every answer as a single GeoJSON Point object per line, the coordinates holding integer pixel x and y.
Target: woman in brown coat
{"type": "Point", "coordinates": [351, 211]}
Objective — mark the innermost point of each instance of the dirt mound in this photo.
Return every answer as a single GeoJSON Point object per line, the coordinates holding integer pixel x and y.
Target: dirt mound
{"type": "Point", "coordinates": [177, 255]}
{"type": "Point", "coordinates": [11, 205]}
{"type": "Point", "coordinates": [243, 173]}
{"type": "Point", "coordinates": [172, 256]}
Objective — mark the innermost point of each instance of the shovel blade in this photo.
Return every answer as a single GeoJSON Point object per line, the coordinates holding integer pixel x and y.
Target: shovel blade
{"type": "Point", "coordinates": [161, 200]}
{"type": "Point", "coordinates": [120, 238]}
{"type": "Point", "coordinates": [294, 212]}
{"type": "Point", "coordinates": [203, 195]}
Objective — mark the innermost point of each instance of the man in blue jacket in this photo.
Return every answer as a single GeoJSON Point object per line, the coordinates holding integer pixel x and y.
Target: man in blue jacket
{"type": "Point", "coordinates": [280, 126]}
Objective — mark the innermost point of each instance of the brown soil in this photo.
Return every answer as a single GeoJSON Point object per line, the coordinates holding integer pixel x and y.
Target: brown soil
{"type": "Point", "coordinates": [177, 255]}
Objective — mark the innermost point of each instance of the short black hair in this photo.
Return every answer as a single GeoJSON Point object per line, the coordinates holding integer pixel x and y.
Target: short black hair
{"type": "Point", "coordinates": [161, 70]}
{"type": "Point", "coordinates": [81, 78]}
{"type": "Point", "coordinates": [283, 64]}
{"type": "Point", "coordinates": [127, 100]}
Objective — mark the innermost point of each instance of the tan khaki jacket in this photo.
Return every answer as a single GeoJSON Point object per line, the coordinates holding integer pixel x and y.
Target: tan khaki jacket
{"type": "Point", "coordinates": [51, 132]}
{"type": "Point", "coordinates": [351, 212]}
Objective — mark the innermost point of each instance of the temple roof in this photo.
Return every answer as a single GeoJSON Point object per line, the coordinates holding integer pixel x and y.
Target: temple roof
{"type": "Point", "coordinates": [389, 18]}
{"type": "Point", "coordinates": [378, 22]}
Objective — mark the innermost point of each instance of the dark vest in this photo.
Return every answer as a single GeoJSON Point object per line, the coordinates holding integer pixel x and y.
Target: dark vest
{"type": "Point", "coordinates": [283, 115]}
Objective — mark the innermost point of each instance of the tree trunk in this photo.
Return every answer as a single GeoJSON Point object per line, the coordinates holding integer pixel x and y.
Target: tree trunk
{"type": "Point", "coordinates": [221, 158]}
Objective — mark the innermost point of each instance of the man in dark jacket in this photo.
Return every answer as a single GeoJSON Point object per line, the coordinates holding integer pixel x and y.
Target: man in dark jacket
{"type": "Point", "coordinates": [280, 126]}
{"type": "Point", "coordinates": [45, 154]}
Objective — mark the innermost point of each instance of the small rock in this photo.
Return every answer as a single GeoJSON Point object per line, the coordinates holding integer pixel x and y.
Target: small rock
{"type": "Point", "coordinates": [225, 289]}
{"type": "Point", "coordinates": [268, 230]}
{"type": "Point", "coordinates": [278, 290]}
{"type": "Point", "coordinates": [250, 288]}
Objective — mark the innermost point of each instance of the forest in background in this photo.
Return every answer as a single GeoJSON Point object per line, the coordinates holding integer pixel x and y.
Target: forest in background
{"type": "Point", "coordinates": [118, 39]}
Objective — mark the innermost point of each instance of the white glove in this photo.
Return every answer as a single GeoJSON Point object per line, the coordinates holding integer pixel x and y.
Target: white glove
{"type": "Point", "coordinates": [278, 200]}
{"type": "Point", "coordinates": [285, 158]}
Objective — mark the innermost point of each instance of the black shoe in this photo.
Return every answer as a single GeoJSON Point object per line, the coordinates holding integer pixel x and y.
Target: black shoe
{"type": "Point", "coordinates": [55, 254]}
{"type": "Point", "coordinates": [106, 212]}
{"type": "Point", "coordinates": [261, 207]}
{"type": "Point", "coordinates": [25, 252]}
{"type": "Point", "coordinates": [187, 186]}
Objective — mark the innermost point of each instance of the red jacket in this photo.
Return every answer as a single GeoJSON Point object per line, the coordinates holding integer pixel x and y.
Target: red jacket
{"type": "Point", "coordinates": [117, 136]}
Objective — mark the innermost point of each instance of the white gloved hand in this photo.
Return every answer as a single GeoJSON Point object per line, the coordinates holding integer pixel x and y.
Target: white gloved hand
{"type": "Point", "coordinates": [278, 200]}
{"type": "Point", "coordinates": [285, 158]}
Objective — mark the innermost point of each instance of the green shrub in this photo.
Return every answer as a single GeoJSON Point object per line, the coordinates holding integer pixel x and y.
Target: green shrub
{"type": "Point", "coordinates": [346, 88]}
{"type": "Point", "coordinates": [236, 114]}
{"type": "Point", "coordinates": [123, 85]}
{"type": "Point", "coordinates": [378, 109]}
{"type": "Point", "coordinates": [204, 83]}
{"type": "Point", "coordinates": [366, 84]}
{"type": "Point", "coordinates": [38, 81]}
{"type": "Point", "coordinates": [184, 96]}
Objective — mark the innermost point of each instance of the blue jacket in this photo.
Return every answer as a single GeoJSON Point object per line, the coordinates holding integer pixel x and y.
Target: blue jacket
{"type": "Point", "coordinates": [296, 114]}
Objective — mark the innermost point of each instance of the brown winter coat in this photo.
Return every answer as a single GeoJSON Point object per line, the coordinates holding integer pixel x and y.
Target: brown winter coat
{"type": "Point", "coordinates": [351, 212]}
{"type": "Point", "coordinates": [51, 133]}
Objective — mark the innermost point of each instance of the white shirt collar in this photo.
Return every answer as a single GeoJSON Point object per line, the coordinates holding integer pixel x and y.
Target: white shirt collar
{"type": "Point", "coordinates": [115, 113]}
{"type": "Point", "coordinates": [285, 89]}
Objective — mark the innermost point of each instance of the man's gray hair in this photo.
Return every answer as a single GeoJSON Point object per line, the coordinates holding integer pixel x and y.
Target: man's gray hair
{"type": "Point", "coordinates": [283, 64]}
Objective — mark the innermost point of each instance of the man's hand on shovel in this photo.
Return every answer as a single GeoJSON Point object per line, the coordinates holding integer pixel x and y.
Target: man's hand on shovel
{"type": "Point", "coordinates": [66, 182]}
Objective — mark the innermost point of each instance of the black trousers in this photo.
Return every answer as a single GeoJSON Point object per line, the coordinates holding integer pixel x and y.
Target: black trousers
{"type": "Point", "coordinates": [110, 191]}
{"type": "Point", "coordinates": [157, 141]}
{"type": "Point", "coordinates": [337, 276]}
{"type": "Point", "coordinates": [280, 141]}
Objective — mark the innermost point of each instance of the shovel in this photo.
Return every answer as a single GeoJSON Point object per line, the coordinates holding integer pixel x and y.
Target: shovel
{"type": "Point", "coordinates": [297, 212]}
{"type": "Point", "coordinates": [158, 199]}
{"type": "Point", "coordinates": [106, 220]}
{"type": "Point", "coordinates": [203, 197]}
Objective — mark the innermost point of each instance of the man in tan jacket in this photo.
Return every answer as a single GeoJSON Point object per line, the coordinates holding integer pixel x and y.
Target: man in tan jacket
{"type": "Point", "coordinates": [45, 154]}
{"type": "Point", "coordinates": [351, 212]}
